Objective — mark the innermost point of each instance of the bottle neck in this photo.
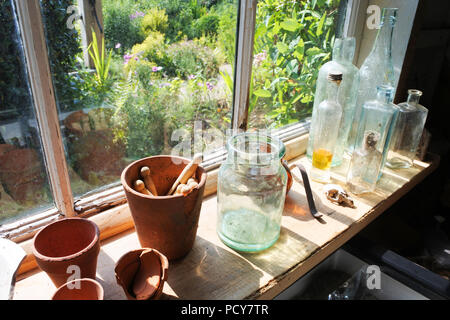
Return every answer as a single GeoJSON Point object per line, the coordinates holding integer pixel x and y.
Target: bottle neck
{"type": "Point", "coordinates": [332, 91]}
{"type": "Point", "coordinates": [383, 41]}
{"type": "Point", "coordinates": [344, 50]}
{"type": "Point", "coordinates": [385, 97]}
{"type": "Point", "coordinates": [413, 99]}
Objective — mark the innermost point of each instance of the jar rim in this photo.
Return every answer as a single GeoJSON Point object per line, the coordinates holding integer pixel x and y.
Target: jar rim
{"type": "Point", "coordinates": [270, 148]}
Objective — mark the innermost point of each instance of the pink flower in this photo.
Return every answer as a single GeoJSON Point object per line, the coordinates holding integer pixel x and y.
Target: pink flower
{"type": "Point", "coordinates": [127, 58]}
{"type": "Point", "coordinates": [190, 77]}
{"type": "Point", "coordinates": [136, 15]}
{"type": "Point", "coordinates": [156, 69]}
{"type": "Point", "coordinates": [165, 84]}
{"type": "Point", "coordinates": [117, 45]}
{"type": "Point", "coordinates": [260, 57]}
{"type": "Point", "coordinates": [209, 86]}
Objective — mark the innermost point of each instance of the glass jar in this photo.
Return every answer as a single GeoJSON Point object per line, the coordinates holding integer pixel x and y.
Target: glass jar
{"type": "Point", "coordinates": [377, 69]}
{"type": "Point", "coordinates": [325, 130]}
{"type": "Point", "coordinates": [407, 132]}
{"type": "Point", "coordinates": [374, 129]}
{"type": "Point", "coordinates": [251, 191]}
{"type": "Point", "coordinates": [343, 53]}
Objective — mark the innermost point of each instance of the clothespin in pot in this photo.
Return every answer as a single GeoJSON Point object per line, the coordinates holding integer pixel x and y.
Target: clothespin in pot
{"type": "Point", "coordinates": [186, 174]}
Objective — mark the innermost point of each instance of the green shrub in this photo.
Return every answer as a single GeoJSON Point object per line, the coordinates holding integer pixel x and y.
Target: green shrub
{"type": "Point", "coordinates": [63, 50]}
{"type": "Point", "coordinates": [181, 14]}
{"type": "Point", "coordinates": [226, 38]}
{"type": "Point", "coordinates": [154, 20]}
{"type": "Point", "coordinates": [121, 24]}
{"type": "Point", "coordinates": [151, 50]}
{"type": "Point", "coordinates": [189, 58]}
{"type": "Point", "coordinates": [206, 25]}
{"type": "Point", "coordinates": [14, 96]}
{"type": "Point", "coordinates": [141, 117]}
{"type": "Point", "coordinates": [293, 40]}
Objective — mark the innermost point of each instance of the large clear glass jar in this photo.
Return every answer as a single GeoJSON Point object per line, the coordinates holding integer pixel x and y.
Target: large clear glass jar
{"type": "Point", "coordinates": [325, 130]}
{"type": "Point", "coordinates": [343, 53]}
{"type": "Point", "coordinates": [374, 129]}
{"type": "Point", "coordinates": [377, 69]}
{"type": "Point", "coordinates": [251, 191]}
{"type": "Point", "coordinates": [407, 132]}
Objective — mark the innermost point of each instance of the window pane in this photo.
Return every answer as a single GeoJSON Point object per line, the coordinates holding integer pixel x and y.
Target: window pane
{"type": "Point", "coordinates": [24, 187]}
{"type": "Point", "coordinates": [167, 70]}
{"type": "Point", "coordinates": [293, 39]}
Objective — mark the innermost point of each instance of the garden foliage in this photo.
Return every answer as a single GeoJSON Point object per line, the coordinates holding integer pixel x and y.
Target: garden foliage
{"type": "Point", "coordinates": [14, 95]}
{"type": "Point", "coordinates": [63, 49]}
{"type": "Point", "coordinates": [293, 40]}
{"type": "Point", "coordinates": [163, 59]}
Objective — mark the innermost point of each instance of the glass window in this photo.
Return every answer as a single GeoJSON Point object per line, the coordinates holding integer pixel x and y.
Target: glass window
{"type": "Point", "coordinates": [159, 70]}
{"type": "Point", "coordinates": [293, 39]}
{"type": "Point", "coordinates": [24, 187]}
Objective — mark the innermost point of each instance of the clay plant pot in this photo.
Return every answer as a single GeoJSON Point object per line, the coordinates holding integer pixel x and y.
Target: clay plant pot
{"type": "Point", "coordinates": [79, 289]}
{"type": "Point", "coordinates": [134, 262]}
{"type": "Point", "coordinates": [165, 223]}
{"type": "Point", "coordinates": [21, 174]}
{"type": "Point", "coordinates": [64, 243]}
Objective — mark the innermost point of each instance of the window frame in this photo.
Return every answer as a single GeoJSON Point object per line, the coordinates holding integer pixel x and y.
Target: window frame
{"type": "Point", "coordinates": [100, 204]}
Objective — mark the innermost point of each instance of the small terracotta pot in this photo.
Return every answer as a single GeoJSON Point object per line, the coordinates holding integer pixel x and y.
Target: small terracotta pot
{"type": "Point", "coordinates": [128, 266]}
{"type": "Point", "coordinates": [79, 289]}
{"type": "Point", "coordinates": [64, 243]}
{"type": "Point", "coordinates": [166, 223]}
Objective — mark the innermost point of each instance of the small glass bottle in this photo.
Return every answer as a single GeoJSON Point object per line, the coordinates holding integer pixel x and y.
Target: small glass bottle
{"type": "Point", "coordinates": [407, 132]}
{"type": "Point", "coordinates": [373, 130]}
{"type": "Point", "coordinates": [251, 190]}
{"type": "Point", "coordinates": [325, 130]}
{"type": "Point", "coordinates": [343, 53]}
{"type": "Point", "coordinates": [377, 69]}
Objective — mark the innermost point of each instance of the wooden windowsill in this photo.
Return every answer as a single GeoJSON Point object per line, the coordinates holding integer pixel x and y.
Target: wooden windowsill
{"type": "Point", "coordinates": [211, 270]}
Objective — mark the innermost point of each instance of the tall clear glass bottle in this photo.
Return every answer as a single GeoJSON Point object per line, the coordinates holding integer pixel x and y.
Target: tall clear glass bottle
{"type": "Point", "coordinates": [376, 70]}
{"type": "Point", "coordinates": [343, 53]}
{"type": "Point", "coordinates": [373, 131]}
{"type": "Point", "coordinates": [326, 129]}
{"type": "Point", "coordinates": [407, 132]}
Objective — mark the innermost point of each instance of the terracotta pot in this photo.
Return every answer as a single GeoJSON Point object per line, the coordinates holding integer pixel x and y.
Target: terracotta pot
{"type": "Point", "coordinates": [21, 174]}
{"type": "Point", "coordinates": [129, 265]}
{"type": "Point", "coordinates": [165, 223]}
{"type": "Point", "coordinates": [80, 289]}
{"type": "Point", "coordinates": [64, 243]}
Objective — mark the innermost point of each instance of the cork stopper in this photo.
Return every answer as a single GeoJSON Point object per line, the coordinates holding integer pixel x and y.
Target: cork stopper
{"type": "Point", "coordinates": [335, 76]}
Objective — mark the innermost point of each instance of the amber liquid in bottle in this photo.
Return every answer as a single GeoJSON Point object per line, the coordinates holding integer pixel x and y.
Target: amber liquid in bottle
{"type": "Point", "coordinates": [321, 159]}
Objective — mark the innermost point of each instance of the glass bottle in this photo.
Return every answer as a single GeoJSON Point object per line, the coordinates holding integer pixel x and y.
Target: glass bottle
{"type": "Point", "coordinates": [251, 191]}
{"type": "Point", "coordinates": [325, 129]}
{"type": "Point", "coordinates": [373, 130]}
{"type": "Point", "coordinates": [343, 53]}
{"type": "Point", "coordinates": [407, 132]}
{"type": "Point", "coordinates": [376, 70]}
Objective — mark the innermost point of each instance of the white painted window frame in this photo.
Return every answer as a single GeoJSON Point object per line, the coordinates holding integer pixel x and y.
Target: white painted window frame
{"type": "Point", "coordinates": [33, 37]}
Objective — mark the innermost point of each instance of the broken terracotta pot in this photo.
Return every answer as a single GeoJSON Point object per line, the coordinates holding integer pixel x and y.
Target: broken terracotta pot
{"type": "Point", "coordinates": [165, 223]}
{"type": "Point", "coordinates": [79, 289]}
{"type": "Point", "coordinates": [69, 242]}
{"type": "Point", "coordinates": [142, 273]}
